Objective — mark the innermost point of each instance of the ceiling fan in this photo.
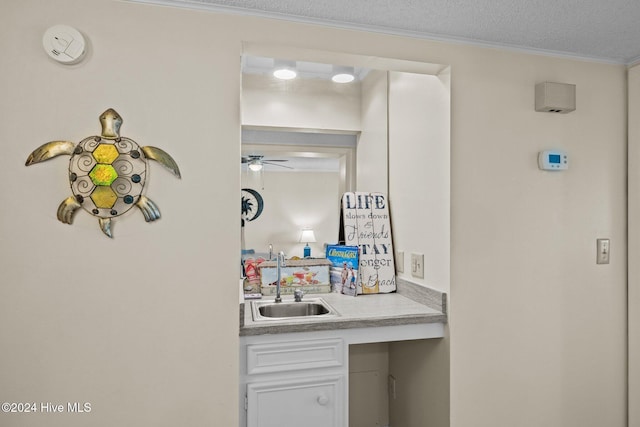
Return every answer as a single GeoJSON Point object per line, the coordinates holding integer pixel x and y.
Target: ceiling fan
{"type": "Point", "coordinates": [256, 161]}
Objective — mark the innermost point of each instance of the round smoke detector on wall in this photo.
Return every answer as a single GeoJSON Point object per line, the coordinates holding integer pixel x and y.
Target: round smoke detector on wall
{"type": "Point", "coordinates": [64, 44]}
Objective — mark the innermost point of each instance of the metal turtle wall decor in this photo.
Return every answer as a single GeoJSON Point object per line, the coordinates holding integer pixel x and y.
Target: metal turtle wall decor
{"type": "Point", "coordinates": [107, 173]}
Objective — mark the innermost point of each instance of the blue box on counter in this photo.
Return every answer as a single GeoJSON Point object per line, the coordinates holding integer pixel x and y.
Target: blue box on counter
{"type": "Point", "coordinates": [343, 273]}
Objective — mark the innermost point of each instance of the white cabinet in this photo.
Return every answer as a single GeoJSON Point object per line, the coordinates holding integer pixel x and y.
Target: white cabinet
{"type": "Point", "coordinates": [300, 379]}
{"type": "Point", "coordinates": [291, 381]}
{"type": "Point", "coordinates": [313, 401]}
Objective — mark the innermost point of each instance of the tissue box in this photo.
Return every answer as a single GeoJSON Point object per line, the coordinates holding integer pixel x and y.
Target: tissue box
{"type": "Point", "coordinates": [311, 275]}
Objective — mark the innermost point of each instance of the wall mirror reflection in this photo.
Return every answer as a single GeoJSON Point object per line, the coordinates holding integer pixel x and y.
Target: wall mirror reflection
{"type": "Point", "coordinates": [307, 138]}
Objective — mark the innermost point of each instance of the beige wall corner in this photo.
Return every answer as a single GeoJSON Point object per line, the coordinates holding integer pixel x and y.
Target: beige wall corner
{"type": "Point", "coordinates": [634, 246]}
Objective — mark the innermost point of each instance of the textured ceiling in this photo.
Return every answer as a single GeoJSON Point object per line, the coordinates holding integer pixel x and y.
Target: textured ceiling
{"type": "Point", "coordinates": [603, 30]}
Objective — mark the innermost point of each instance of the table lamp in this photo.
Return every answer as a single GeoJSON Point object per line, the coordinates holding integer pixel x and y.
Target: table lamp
{"type": "Point", "coordinates": [307, 237]}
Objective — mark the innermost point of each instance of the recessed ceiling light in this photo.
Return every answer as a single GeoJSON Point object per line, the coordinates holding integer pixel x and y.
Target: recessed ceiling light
{"type": "Point", "coordinates": [284, 70]}
{"type": "Point", "coordinates": [343, 78]}
{"type": "Point", "coordinates": [342, 74]}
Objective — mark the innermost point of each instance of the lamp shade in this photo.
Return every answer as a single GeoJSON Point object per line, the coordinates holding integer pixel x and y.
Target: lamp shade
{"type": "Point", "coordinates": [307, 236]}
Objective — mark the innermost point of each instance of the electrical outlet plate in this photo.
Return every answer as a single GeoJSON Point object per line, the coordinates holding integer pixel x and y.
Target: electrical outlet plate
{"type": "Point", "coordinates": [602, 256]}
{"type": "Point", "coordinates": [417, 265]}
{"type": "Point", "coordinates": [400, 261]}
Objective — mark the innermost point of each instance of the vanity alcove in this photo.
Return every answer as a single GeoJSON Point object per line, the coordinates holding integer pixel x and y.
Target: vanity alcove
{"type": "Point", "coordinates": [388, 131]}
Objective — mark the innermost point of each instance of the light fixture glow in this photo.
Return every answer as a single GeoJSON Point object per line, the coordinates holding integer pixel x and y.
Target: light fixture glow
{"type": "Point", "coordinates": [255, 165]}
{"type": "Point", "coordinates": [307, 236]}
{"type": "Point", "coordinates": [285, 74]}
{"type": "Point", "coordinates": [343, 74]}
{"type": "Point", "coordinates": [284, 70]}
{"type": "Point", "coordinates": [343, 78]}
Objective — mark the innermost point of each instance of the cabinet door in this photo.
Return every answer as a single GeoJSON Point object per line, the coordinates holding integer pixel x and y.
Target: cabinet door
{"type": "Point", "coordinates": [308, 402]}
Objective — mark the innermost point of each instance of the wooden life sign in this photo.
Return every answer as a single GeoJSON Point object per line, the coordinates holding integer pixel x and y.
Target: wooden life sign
{"type": "Point", "coordinates": [366, 224]}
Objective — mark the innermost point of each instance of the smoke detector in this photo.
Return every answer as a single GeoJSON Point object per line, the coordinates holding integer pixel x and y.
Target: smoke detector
{"type": "Point", "coordinates": [64, 44]}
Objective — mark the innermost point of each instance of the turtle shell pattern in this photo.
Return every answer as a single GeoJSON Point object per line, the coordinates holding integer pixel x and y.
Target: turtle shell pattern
{"type": "Point", "coordinates": [107, 176]}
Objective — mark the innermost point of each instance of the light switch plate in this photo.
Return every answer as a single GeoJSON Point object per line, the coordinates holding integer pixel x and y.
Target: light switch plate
{"type": "Point", "coordinates": [417, 265]}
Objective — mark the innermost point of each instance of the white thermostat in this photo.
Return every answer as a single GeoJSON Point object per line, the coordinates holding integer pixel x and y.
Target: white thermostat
{"type": "Point", "coordinates": [64, 44]}
{"type": "Point", "coordinates": [553, 160]}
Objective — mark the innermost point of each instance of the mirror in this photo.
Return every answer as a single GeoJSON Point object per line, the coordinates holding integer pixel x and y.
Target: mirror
{"type": "Point", "coordinates": [300, 184]}
{"type": "Point", "coordinates": [310, 139]}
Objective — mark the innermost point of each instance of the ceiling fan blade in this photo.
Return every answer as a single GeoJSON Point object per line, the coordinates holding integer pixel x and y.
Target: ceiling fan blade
{"type": "Point", "coordinates": [269, 162]}
{"type": "Point", "coordinates": [250, 158]}
{"type": "Point", "coordinates": [276, 160]}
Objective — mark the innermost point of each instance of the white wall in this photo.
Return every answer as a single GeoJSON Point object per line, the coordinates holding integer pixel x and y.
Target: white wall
{"type": "Point", "coordinates": [293, 201]}
{"type": "Point", "coordinates": [538, 331]}
{"type": "Point", "coordinates": [634, 246]}
{"type": "Point", "coordinates": [421, 370]}
{"type": "Point", "coordinates": [142, 326]}
{"type": "Point", "coordinates": [372, 167]}
{"type": "Point", "coordinates": [304, 104]}
{"type": "Point", "coordinates": [368, 385]}
{"type": "Point", "coordinates": [419, 169]}
{"type": "Point", "coordinates": [419, 198]}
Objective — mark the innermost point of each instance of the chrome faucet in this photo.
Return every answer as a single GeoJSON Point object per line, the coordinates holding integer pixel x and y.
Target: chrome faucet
{"type": "Point", "coordinates": [280, 264]}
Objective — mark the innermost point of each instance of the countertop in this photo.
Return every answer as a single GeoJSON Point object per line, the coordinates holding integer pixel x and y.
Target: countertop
{"type": "Point", "coordinates": [412, 304]}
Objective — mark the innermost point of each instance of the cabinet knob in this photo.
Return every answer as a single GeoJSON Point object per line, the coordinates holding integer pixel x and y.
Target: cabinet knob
{"type": "Point", "coordinates": [323, 400]}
